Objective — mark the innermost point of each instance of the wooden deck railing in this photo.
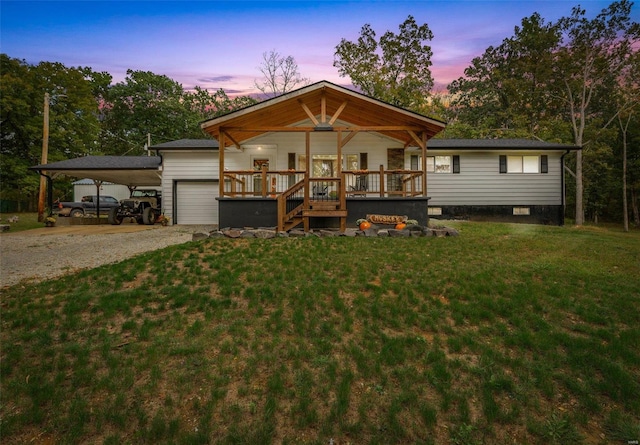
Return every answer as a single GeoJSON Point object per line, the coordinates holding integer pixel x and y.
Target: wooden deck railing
{"type": "Point", "coordinates": [399, 183]}
{"type": "Point", "coordinates": [354, 183]}
{"type": "Point", "coordinates": [259, 183]}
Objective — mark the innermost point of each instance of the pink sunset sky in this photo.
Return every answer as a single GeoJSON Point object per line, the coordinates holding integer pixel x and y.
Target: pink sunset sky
{"type": "Point", "coordinates": [216, 44]}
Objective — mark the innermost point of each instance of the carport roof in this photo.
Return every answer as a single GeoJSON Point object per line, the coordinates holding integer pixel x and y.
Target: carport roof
{"type": "Point", "coordinates": [127, 170]}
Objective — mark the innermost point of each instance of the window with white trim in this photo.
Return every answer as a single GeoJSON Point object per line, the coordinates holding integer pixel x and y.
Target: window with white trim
{"type": "Point", "coordinates": [524, 164]}
{"type": "Point", "coordinates": [439, 164]}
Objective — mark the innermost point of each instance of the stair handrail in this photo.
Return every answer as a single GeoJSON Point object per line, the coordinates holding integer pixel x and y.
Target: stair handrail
{"type": "Point", "coordinates": [285, 215]}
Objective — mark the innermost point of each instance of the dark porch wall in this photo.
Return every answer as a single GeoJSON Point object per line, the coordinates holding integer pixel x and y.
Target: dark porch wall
{"type": "Point", "coordinates": [247, 212]}
{"type": "Point", "coordinates": [551, 214]}
{"type": "Point", "coordinates": [414, 208]}
{"type": "Point", "coordinates": [262, 212]}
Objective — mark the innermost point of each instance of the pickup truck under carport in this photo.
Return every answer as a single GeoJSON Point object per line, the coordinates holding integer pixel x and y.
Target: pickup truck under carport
{"type": "Point", "coordinates": [87, 206]}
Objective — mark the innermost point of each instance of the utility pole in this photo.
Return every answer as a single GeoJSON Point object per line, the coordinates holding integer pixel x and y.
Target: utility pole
{"type": "Point", "coordinates": [43, 160]}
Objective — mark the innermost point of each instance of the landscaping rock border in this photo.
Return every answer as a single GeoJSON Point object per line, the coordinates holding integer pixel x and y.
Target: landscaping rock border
{"type": "Point", "coordinates": [374, 231]}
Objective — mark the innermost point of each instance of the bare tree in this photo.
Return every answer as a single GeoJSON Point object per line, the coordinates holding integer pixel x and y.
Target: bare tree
{"type": "Point", "coordinates": [280, 74]}
{"type": "Point", "coordinates": [595, 52]}
{"type": "Point", "coordinates": [628, 100]}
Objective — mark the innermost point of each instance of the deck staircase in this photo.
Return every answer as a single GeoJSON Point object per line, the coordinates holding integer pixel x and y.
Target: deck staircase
{"type": "Point", "coordinates": [295, 207]}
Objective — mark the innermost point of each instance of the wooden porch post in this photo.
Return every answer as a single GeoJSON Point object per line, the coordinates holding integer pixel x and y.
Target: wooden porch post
{"type": "Point", "coordinates": [423, 148]}
{"type": "Point", "coordinates": [339, 153]}
{"type": "Point", "coordinates": [221, 143]}
{"type": "Point", "coordinates": [307, 151]}
{"type": "Point", "coordinates": [263, 180]}
{"type": "Point", "coordinates": [342, 190]}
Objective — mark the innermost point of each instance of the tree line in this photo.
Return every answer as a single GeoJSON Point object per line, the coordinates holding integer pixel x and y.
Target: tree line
{"type": "Point", "coordinates": [575, 80]}
{"type": "Point", "coordinates": [90, 115]}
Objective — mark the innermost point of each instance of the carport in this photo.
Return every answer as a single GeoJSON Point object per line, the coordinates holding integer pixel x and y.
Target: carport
{"type": "Point", "coordinates": [132, 171]}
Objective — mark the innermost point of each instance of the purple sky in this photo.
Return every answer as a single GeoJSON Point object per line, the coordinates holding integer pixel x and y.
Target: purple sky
{"type": "Point", "coordinates": [216, 44]}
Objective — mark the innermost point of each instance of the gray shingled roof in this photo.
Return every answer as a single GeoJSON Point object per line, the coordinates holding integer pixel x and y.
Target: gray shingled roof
{"type": "Point", "coordinates": [496, 144]}
{"type": "Point", "coordinates": [127, 170]}
{"type": "Point", "coordinates": [185, 144]}
{"type": "Point", "coordinates": [104, 163]}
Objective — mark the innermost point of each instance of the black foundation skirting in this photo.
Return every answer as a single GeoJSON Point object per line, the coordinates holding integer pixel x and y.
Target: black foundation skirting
{"type": "Point", "coordinates": [550, 215]}
{"type": "Point", "coordinates": [263, 212]}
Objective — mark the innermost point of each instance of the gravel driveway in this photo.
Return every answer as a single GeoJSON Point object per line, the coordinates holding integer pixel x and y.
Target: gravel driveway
{"type": "Point", "coordinates": [40, 254]}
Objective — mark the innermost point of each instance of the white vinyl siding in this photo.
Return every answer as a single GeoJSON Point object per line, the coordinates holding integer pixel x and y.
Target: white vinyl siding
{"type": "Point", "coordinates": [321, 144]}
{"type": "Point", "coordinates": [480, 183]}
{"type": "Point", "coordinates": [182, 166]}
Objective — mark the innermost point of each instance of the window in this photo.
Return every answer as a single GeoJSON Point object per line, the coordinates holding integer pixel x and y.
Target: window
{"type": "Point", "coordinates": [521, 211]}
{"type": "Point", "coordinates": [443, 164]}
{"type": "Point", "coordinates": [326, 166]}
{"type": "Point", "coordinates": [524, 164]}
{"type": "Point", "coordinates": [352, 162]}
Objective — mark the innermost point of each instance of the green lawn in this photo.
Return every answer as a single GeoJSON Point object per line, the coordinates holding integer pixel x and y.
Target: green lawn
{"type": "Point", "coordinates": [507, 334]}
{"type": "Point", "coordinates": [26, 221]}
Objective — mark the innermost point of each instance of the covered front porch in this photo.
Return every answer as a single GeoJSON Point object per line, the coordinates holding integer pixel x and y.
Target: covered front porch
{"type": "Point", "coordinates": [309, 154]}
{"type": "Point", "coordinates": [265, 199]}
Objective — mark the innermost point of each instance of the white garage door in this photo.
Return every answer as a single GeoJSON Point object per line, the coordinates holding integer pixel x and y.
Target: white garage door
{"type": "Point", "coordinates": [196, 203]}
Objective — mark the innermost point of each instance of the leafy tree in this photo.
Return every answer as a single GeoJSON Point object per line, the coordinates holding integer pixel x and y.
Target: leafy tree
{"type": "Point", "coordinates": [89, 115]}
{"type": "Point", "coordinates": [279, 74]}
{"type": "Point", "coordinates": [151, 104]}
{"type": "Point", "coordinates": [205, 105]}
{"type": "Point", "coordinates": [505, 91]}
{"type": "Point", "coordinates": [144, 104]}
{"type": "Point", "coordinates": [73, 123]}
{"type": "Point", "coordinates": [395, 69]}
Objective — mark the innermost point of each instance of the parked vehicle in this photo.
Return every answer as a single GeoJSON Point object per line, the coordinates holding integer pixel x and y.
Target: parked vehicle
{"type": "Point", "coordinates": [87, 205]}
{"type": "Point", "coordinates": [144, 205]}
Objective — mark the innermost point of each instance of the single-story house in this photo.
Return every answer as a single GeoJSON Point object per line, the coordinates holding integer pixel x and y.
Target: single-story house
{"type": "Point", "coordinates": [325, 156]}
{"type": "Point", "coordinates": [515, 180]}
{"type": "Point", "coordinates": [320, 156]}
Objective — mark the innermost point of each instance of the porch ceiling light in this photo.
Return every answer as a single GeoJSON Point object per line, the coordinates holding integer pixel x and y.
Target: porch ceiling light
{"type": "Point", "coordinates": [323, 126]}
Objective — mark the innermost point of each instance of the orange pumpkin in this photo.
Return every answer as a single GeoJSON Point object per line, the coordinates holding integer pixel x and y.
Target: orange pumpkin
{"type": "Point", "coordinates": [400, 226]}
{"type": "Point", "coordinates": [365, 225]}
